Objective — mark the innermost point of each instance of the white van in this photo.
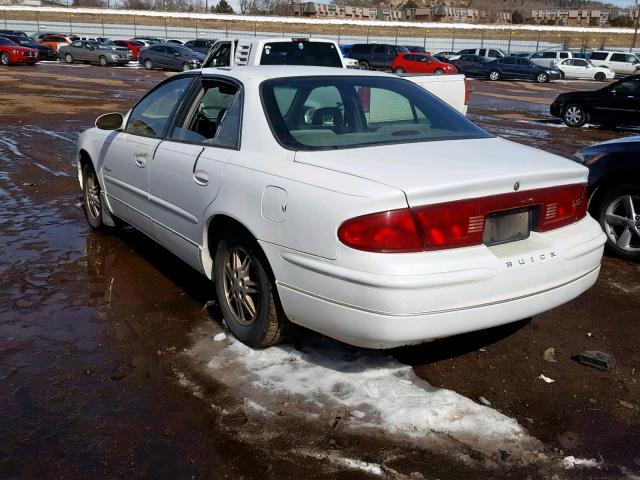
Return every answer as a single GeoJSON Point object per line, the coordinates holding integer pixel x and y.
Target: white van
{"type": "Point", "coordinates": [550, 58]}
{"type": "Point", "coordinates": [620, 62]}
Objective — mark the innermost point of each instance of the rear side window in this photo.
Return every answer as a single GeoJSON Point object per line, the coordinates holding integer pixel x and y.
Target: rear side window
{"type": "Point", "coordinates": [598, 56]}
{"type": "Point", "coordinates": [618, 57]}
{"type": "Point", "coordinates": [564, 55]}
{"type": "Point", "coordinates": [340, 112]}
{"type": "Point", "coordinates": [301, 53]}
{"type": "Point", "coordinates": [360, 48]}
{"type": "Point", "coordinates": [380, 49]}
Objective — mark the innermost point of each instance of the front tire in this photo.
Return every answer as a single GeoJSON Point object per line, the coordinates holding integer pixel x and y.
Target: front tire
{"type": "Point", "coordinates": [600, 77]}
{"type": "Point", "coordinates": [92, 198]}
{"type": "Point", "coordinates": [618, 212]}
{"type": "Point", "coordinates": [494, 75]}
{"type": "Point", "coordinates": [103, 61]}
{"type": "Point", "coordinates": [246, 292]}
{"type": "Point", "coordinates": [68, 58]}
{"type": "Point", "coordinates": [542, 78]}
{"type": "Point", "coordinates": [439, 71]}
{"type": "Point", "coordinates": [574, 115]}
{"type": "Point", "coordinates": [148, 64]}
{"type": "Point", "coordinates": [4, 59]}
{"type": "Point", "coordinates": [364, 65]}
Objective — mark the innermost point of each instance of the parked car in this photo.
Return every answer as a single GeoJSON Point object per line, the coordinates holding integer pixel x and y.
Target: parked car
{"type": "Point", "coordinates": [230, 52]}
{"type": "Point", "coordinates": [55, 41]}
{"type": "Point", "coordinates": [320, 52]}
{"type": "Point", "coordinates": [615, 104]}
{"type": "Point", "coordinates": [549, 58]}
{"type": "Point", "coordinates": [132, 45]}
{"type": "Point", "coordinates": [201, 45]}
{"type": "Point", "coordinates": [416, 49]}
{"type": "Point", "coordinates": [614, 189]}
{"type": "Point", "coordinates": [174, 40]}
{"type": "Point", "coordinates": [107, 42]}
{"type": "Point", "coordinates": [488, 53]}
{"type": "Point", "coordinates": [92, 52]}
{"type": "Point", "coordinates": [581, 68]}
{"type": "Point", "coordinates": [170, 56]}
{"type": "Point", "coordinates": [11, 53]}
{"type": "Point", "coordinates": [470, 65]}
{"type": "Point", "coordinates": [149, 40]}
{"type": "Point", "coordinates": [420, 63]}
{"type": "Point", "coordinates": [18, 33]}
{"type": "Point", "coordinates": [306, 197]}
{"type": "Point", "coordinates": [44, 52]}
{"type": "Point", "coordinates": [375, 56]}
{"type": "Point", "coordinates": [518, 67]}
{"type": "Point", "coordinates": [622, 63]}
{"type": "Point", "coordinates": [444, 56]}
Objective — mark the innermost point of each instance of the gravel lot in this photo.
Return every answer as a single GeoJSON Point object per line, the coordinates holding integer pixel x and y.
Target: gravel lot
{"type": "Point", "coordinates": [109, 367]}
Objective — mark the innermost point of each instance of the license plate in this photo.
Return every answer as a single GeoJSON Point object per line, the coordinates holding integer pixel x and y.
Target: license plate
{"type": "Point", "coordinates": [509, 226]}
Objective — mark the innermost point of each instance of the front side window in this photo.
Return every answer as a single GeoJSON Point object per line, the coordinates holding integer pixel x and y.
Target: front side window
{"type": "Point", "coordinates": [494, 54]}
{"type": "Point", "coordinates": [221, 56]}
{"type": "Point", "coordinates": [598, 56]}
{"type": "Point", "coordinates": [630, 86]}
{"type": "Point", "coordinates": [320, 113]}
{"type": "Point", "coordinates": [320, 54]}
{"type": "Point", "coordinates": [151, 115]}
{"type": "Point", "coordinates": [380, 49]}
{"type": "Point", "coordinates": [213, 118]}
{"type": "Point", "coordinates": [580, 63]}
{"type": "Point", "coordinates": [564, 55]}
{"type": "Point", "coordinates": [618, 57]}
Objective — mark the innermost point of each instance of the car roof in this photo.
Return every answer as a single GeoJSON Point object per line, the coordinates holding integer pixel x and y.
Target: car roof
{"type": "Point", "coordinates": [266, 72]}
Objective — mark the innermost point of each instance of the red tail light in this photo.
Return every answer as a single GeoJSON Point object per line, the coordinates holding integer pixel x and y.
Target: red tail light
{"type": "Point", "coordinates": [384, 232]}
{"type": "Point", "coordinates": [467, 90]}
{"type": "Point", "coordinates": [460, 223]}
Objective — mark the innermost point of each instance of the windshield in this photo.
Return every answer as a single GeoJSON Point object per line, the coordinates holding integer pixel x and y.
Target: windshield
{"type": "Point", "coordinates": [301, 53]}
{"type": "Point", "coordinates": [320, 113]}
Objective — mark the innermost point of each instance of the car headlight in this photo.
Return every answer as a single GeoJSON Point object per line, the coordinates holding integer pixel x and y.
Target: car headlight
{"type": "Point", "coordinates": [15, 52]}
{"type": "Point", "coordinates": [114, 56]}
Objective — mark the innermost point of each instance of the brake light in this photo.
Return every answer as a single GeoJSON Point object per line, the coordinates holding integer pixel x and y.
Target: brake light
{"type": "Point", "coordinates": [467, 91]}
{"type": "Point", "coordinates": [460, 223]}
{"type": "Point", "coordinates": [383, 232]}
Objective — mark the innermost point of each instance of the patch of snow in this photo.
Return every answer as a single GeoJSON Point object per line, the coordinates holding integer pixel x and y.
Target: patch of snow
{"type": "Point", "coordinates": [219, 337]}
{"type": "Point", "coordinates": [546, 379]}
{"type": "Point", "coordinates": [352, 463]}
{"type": "Point", "coordinates": [326, 376]}
{"type": "Point", "coordinates": [573, 462]}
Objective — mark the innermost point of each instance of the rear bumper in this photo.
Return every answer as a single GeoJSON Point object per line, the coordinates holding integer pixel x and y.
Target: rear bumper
{"type": "Point", "coordinates": [392, 300]}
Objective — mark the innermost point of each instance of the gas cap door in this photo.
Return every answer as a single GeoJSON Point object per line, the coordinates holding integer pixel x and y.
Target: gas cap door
{"type": "Point", "coordinates": [274, 204]}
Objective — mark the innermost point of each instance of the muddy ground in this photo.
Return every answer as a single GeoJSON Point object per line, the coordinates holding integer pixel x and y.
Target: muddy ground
{"type": "Point", "coordinates": [99, 377]}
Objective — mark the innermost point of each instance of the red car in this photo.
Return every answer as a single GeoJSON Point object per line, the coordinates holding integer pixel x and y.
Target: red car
{"type": "Point", "coordinates": [11, 52]}
{"type": "Point", "coordinates": [421, 63]}
{"type": "Point", "coordinates": [133, 45]}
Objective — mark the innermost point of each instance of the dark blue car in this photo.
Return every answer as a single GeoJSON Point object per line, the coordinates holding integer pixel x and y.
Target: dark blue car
{"type": "Point", "coordinates": [170, 56]}
{"type": "Point", "coordinates": [518, 68]}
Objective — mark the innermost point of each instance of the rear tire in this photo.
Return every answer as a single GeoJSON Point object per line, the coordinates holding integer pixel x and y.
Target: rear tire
{"type": "Point", "coordinates": [103, 61]}
{"type": "Point", "coordinates": [600, 77]}
{"type": "Point", "coordinates": [494, 75]}
{"type": "Point", "coordinates": [574, 115]}
{"type": "Point", "coordinates": [148, 64]}
{"type": "Point", "coordinates": [246, 292]}
{"type": "Point", "coordinates": [186, 67]}
{"type": "Point", "coordinates": [562, 75]}
{"type": "Point", "coordinates": [439, 71]}
{"type": "Point", "coordinates": [4, 59]}
{"type": "Point", "coordinates": [364, 65]}
{"type": "Point", "coordinates": [68, 58]}
{"type": "Point", "coordinates": [399, 70]}
{"type": "Point", "coordinates": [611, 211]}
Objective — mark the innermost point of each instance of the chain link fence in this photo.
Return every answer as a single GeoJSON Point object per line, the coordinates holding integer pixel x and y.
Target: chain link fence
{"type": "Point", "coordinates": [510, 40]}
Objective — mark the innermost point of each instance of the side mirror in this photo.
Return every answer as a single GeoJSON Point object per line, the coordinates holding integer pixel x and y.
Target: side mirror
{"type": "Point", "coordinates": [110, 121]}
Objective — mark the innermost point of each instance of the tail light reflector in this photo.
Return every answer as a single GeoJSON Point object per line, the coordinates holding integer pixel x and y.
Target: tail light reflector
{"type": "Point", "coordinates": [460, 223]}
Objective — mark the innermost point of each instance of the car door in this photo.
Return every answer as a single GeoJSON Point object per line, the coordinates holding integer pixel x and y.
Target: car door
{"type": "Point", "coordinates": [220, 55]}
{"type": "Point", "coordinates": [187, 168]}
{"type": "Point", "coordinates": [474, 64]}
{"type": "Point", "coordinates": [508, 67]}
{"type": "Point", "coordinates": [619, 101]}
{"type": "Point", "coordinates": [525, 68]}
{"type": "Point", "coordinates": [379, 56]}
{"type": "Point", "coordinates": [127, 153]}
{"type": "Point", "coordinates": [580, 68]}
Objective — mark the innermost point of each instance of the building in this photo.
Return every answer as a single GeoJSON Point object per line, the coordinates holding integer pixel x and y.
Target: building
{"type": "Point", "coordinates": [326, 10]}
{"type": "Point", "coordinates": [572, 18]}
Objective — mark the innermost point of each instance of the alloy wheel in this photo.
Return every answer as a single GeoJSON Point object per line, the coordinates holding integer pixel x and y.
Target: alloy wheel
{"type": "Point", "coordinates": [4, 58]}
{"type": "Point", "coordinates": [399, 70]}
{"type": "Point", "coordinates": [542, 78]}
{"type": "Point", "coordinates": [439, 71]}
{"type": "Point", "coordinates": [494, 75]}
{"type": "Point", "coordinates": [622, 222]}
{"type": "Point", "coordinates": [240, 286]}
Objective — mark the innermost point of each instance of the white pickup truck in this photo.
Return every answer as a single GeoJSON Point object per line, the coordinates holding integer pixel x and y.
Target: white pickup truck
{"type": "Point", "coordinates": [230, 52]}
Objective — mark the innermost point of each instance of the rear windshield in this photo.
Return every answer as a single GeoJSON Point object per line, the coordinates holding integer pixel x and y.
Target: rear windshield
{"type": "Point", "coordinates": [321, 113]}
{"type": "Point", "coordinates": [301, 53]}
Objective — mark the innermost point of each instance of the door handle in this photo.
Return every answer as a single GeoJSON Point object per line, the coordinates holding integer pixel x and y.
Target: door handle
{"type": "Point", "coordinates": [141, 159]}
{"type": "Point", "coordinates": [201, 178]}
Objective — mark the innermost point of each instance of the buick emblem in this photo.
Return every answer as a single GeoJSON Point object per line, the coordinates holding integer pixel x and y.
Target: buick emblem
{"type": "Point", "coordinates": [516, 186]}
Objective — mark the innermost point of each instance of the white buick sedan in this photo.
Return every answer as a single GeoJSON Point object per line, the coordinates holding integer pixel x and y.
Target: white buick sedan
{"type": "Point", "coordinates": [353, 203]}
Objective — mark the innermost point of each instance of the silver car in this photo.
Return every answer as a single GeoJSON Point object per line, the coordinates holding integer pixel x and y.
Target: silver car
{"type": "Point", "coordinates": [94, 52]}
